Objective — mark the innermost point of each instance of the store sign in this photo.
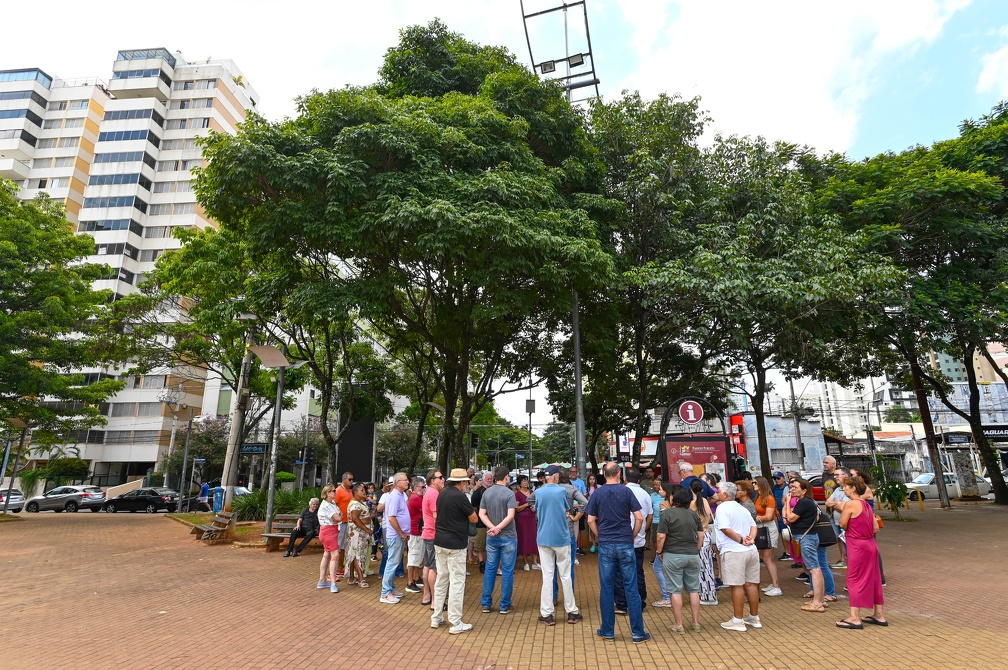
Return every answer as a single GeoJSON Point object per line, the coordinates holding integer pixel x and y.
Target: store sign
{"type": "Point", "coordinates": [998, 432]}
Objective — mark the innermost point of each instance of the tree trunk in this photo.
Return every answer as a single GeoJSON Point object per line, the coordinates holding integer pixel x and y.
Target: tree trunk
{"type": "Point", "coordinates": [929, 434]}
{"type": "Point", "coordinates": [424, 411]}
{"type": "Point", "coordinates": [990, 457]}
{"type": "Point", "coordinates": [759, 394]}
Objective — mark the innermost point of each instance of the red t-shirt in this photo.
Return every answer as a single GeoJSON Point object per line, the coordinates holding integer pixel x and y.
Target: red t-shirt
{"type": "Point", "coordinates": [415, 507]}
{"type": "Point", "coordinates": [429, 507]}
{"type": "Point", "coordinates": [343, 498]}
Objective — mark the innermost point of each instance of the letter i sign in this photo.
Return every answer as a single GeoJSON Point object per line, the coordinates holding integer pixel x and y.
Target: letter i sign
{"type": "Point", "coordinates": [691, 412]}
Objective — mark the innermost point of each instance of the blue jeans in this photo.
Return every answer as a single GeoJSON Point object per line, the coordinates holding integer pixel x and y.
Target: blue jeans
{"type": "Point", "coordinates": [501, 551]}
{"type": "Point", "coordinates": [659, 572]}
{"type": "Point", "coordinates": [617, 561]}
{"type": "Point", "coordinates": [384, 559]}
{"type": "Point", "coordinates": [621, 601]}
{"type": "Point", "coordinates": [394, 548]}
{"type": "Point", "coordinates": [814, 557]}
{"type": "Point", "coordinates": [573, 546]}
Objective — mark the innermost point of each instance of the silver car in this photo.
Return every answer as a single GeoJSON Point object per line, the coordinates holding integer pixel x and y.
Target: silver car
{"type": "Point", "coordinates": [924, 487]}
{"type": "Point", "coordinates": [13, 498]}
{"type": "Point", "coordinates": [68, 498]}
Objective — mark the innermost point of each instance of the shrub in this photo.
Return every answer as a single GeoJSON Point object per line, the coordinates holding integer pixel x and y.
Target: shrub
{"type": "Point", "coordinates": [252, 507]}
{"type": "Point", "coordinates": [891, 492]}
{"type": "Point", "coordinates": [284, 476]}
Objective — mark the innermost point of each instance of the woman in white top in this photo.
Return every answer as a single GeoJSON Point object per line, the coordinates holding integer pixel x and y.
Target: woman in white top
{"type": "Point", "coordinates": [329, 517]}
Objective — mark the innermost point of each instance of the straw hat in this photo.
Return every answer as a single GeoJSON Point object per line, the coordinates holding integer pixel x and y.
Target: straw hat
{"type": "Point", "coordinates": [457, 475]}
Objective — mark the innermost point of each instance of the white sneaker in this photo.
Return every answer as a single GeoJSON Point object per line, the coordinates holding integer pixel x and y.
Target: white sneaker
{"type": "Point", "coordinates": [527, 568]}
{"type": "Point", "coordinates": [773, 591]}
{"type": "Point", "coordinates": [389, 600]}
{"type": "Point", "coordinates": [463, 628]}
{"type": "Point", "coordinates": [709, 603]}
{"type": "Point", "coordinates": [436, 623]}
{"type": "Point", "coordinates": [577, 562]}
{"type": "Point", "coordinates": [535, 566]}
{"type": "Point", "coordinates": [752, 621]}
{"type": "Point", "coordinates": [731, 624]}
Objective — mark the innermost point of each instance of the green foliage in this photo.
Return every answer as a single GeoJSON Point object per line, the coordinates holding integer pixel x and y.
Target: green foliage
{"type": "Point", "coordinates": [29, 480]}
{"type": "Point", "coordinates": [284, 476]}
{"type": "Point", "coordinates": [48, 317]}
{"type": "Point", "coordinates": [901, 415]}
{"type": "Point", "coordinates": [891, 492]}
{"type": "Point", "coordinates": [252, 507]}
{"type": "Point", "coordinates": [67, 468]}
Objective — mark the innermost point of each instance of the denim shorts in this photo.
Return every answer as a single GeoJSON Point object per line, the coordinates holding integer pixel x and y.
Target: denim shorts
{"type": "Point", "coordinates": [810, 550]}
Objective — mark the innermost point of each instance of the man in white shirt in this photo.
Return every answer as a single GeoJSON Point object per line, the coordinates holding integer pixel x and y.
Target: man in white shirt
{"type": "Point", "coordinates": [740, 567]}
{"type": "Point", "coordinates": [640, 539]}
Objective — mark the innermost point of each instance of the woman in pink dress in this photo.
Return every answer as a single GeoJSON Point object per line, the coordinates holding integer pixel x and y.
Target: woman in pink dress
{"type": "Point", "coordinates": [864, 580]}
{"type": "Point", "coordinates": [525, 524]}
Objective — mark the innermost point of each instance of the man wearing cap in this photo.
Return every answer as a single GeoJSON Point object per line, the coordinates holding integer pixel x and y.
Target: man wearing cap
{"type": "Point", "coordinates": [553, 537]}
{"type": "Point", "coordinates": [436, 483]}
{"type": "Point", "coordinates": [454, 513]}
{"type": "Point", "coordinates": [615, 516]}
{"type": "Point", "coordinates": [687, 476]}
{"type": "Point", "coordinates": [397, 527]}
{"type": "Point", "coordinates": [780, 487]}
{"type": "Point", "coordinates": [497, 510]}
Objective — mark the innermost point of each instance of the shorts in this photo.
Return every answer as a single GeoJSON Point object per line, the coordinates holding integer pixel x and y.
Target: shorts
{"type": "Point", "coordinates": [329, 536]}
{"type": "Point", "coordinates": [479, 542]}
{"type": "Point", "coordinates": [810, 550]}
{"type": "Point", "coordinates": [739, 568]}
{"type": "Point", "coordinates": [343, 528]}
{"type": "Point", "coordinates": [414, 552]}
{"type": "Point", "coordinates": [202, 499]}
{"type": "Point", "coordinates": [682, 570]}
{"type": "Point", "coordinates": [429, 555]}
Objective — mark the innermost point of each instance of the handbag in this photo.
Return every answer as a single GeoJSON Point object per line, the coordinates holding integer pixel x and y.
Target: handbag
{"type": "Point", "coordinates": [824, 529]}
{"type": "Point", "coordinates": [878, 520]}
{"type": "Point", "coordinates": [763, 538]}
{"type": "Point", "coordinates": [786, 534]}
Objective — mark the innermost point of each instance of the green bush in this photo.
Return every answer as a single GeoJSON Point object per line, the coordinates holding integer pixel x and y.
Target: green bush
{"type": "Point", "coordinates": [252, 507]}
{"type": "Point", "coordinates": [891, 492]}
{"type": "Point", "coordinates": [284, 476]}
{"type": "Point", "coordinates": [67, 468]}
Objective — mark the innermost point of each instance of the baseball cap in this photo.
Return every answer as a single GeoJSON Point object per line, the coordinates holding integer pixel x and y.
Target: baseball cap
{"type": "Point", "coordinates": [552, 470]}
{"type": "Point", "coordinates": [391, 480]}
{"type": "Point", "coordinates": [778, 475]}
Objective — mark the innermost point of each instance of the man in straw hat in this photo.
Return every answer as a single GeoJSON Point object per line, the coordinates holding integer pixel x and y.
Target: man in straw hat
{"type": "Point", "coordinates": [451, 536]}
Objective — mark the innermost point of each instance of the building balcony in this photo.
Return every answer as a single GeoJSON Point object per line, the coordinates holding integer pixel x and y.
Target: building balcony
{"type": "Point", "coordinates": [142, 87]}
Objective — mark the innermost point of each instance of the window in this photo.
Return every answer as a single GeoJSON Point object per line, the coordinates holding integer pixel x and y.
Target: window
{"type": "Point", "coordinates": [184, 208]}
{"type": "Point", "coordinates": [140, 436]}
{"type": "Point", "coordinates": [176, 124]}
{"type": "Point", "coordinates": [149, 255]}
{"type": "Point", "coordinates": [118, 436]}
{"type": "Point", "coordinates": [110, 224]}
{"type": "Point", "coordinates": [78, 104]}
{"type": "Point", "coordinates": [66, 142]}
{"type": "Point", "coordinates": [153, 381]}
{"type": "Point", "coordinates": [123, 114]}
{"type": "Point", "coordinates": [52, 123]}
{"type": "Point", "coordinates": [162, 209]}
{"type": "Point", "coordinates": [104, 179]}
{"type": "Point", "coordinates": [177, 166]}
{"type": "Point", "coordinates": [48, 143]}
{"type": "Point", "coordinates": [74, 123]}
{"type": "Point", "coordinates": [167, 208]}
{"type": "Point", "coordinates": [24, 95]}
{"type": "Point", "coordinates": [194, 85]}
{"type": "Point", "coordinates": [64, 162]}
{"type": "Point", "coordinates": [154, 232]}
{"type": "Point", "coordinates": [42, 163]}
{"type": "Point", "coordinates": [49, 182]}
{"type": "Point", "coordinates": [125, 157]}
{"type": "Point", "coordinates": [116, 201]}
{"type": "Point", "coordinates": [123, 409]}
{"type": "Point", "coordinates": [126, 135]}
{"type": "Point", "coordinates": [149, 409]}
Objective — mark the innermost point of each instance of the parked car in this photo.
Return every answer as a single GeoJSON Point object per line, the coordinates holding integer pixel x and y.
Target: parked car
{"type": "Point", "coordinates": [924, 486]}
{"type": "Point", "coordinates": [815, 481]}
{"type": "Point", "coordinates": [14, 503]}
{"type": "Point", "coordinates": [192, 503]}
{"type": "Point", "coordinates": [68, 498]}
{"type": "Point", "coordinates": [150, 500]}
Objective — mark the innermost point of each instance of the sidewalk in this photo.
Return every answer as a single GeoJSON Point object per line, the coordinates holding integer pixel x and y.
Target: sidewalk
{"type": "Point", "coordinates": [137, 591]}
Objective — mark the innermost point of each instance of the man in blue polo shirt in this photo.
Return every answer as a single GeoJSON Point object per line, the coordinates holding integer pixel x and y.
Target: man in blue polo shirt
{"type": "Point", "coordinates": [686, 473]}
{"type": "Point", "coordinates": [614, 514]}
{"type": "Point", "coordinates": [553, 536]}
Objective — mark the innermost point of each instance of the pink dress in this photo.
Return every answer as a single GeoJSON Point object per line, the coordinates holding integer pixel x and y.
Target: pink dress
{"type": "Point", "coordinates": [864, 581]}
{"type": "Point", "coordinates": [525, 524]}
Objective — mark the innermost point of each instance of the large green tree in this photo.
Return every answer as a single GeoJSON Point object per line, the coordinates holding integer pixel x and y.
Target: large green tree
{"type": "Point", "coordinates": [48, 316]}
{"type": "Point", "coordinates": [432, 208]}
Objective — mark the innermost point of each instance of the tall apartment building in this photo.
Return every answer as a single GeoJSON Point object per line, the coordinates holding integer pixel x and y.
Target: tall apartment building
{"type": "Point", "coordinates": [118, 154]}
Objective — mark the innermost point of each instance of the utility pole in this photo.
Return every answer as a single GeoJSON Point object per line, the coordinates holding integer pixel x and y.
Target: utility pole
{"type": "Point", "coordinates": [184, 492]}
{"type": "Point", "coordinates": [797, 425]}
{"type": "Point", "coordinates": [271, 492]}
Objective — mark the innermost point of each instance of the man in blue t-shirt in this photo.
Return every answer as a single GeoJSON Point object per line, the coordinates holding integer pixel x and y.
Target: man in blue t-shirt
{"type": "Point", "coordinates": [686, 473]}
{"type": "Point", "coordinates": [611, 509]}
{"type": "Point", "coordinates": [553, 536]}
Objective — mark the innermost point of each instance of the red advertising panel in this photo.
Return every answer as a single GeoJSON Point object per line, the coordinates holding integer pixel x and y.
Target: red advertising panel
{"type": "Point", "coordinates": [738, 436]}
{"type": "Point", "coordinates": [707, 452]}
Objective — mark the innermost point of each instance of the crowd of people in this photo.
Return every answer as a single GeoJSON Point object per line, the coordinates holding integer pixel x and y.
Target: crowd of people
{"type": "Point", "coordinates": [703, 535]}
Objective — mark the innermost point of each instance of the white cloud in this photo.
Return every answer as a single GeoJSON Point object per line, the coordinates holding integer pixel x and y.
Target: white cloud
{"type": "Point", "coordinates": [994, 75]}
{"type": "Point", "coordinates": [795, 70]}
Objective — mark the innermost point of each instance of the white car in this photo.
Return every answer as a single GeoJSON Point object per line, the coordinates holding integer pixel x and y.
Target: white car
{"type": "Point", "coordinates": [924, 486]}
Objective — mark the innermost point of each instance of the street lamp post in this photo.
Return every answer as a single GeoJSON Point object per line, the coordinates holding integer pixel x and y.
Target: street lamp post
{"type": "Point", "coordinates": [238, 416]}
{"type": "Point", "coordinates": [184, 493]}
{"type": "Point", "coordinates": [271, 494]}
{"type": "Point", "coordinates": [171, 398]}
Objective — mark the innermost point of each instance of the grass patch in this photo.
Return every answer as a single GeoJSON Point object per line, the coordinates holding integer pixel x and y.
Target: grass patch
{"type": "Point", "coordinates": [194, 517]}
{"type": "Point", "coordinates": [10, 516]}
{"type": "Point", "coordinates": [910, 519]}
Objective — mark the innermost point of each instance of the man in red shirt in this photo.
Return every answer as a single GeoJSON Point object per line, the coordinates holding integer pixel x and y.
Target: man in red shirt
{"type": "Point", "coordinates": [414, 547]}
{"type": "Point", "coordinates": [435, 484]}
{"type": "Point", "coordinates": [344, 494]}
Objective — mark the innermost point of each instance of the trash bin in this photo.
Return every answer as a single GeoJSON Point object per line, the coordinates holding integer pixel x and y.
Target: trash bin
{"type": "Point", "coordinates": [218, 498]}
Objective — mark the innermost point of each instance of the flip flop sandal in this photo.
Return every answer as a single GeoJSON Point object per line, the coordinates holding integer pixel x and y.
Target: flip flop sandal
{"type": "Point", "coordinates": [365, 585]}
{"type": "Point", "coordinates": [830, 599]}
{"type": "Point", "coordinates": [807, 607]}
{"type": "Point", "coordinates": [809, 595]}
{"type": "Point", "coordinates": [873, 621]}
{"type": "Point", "coordinates": [850, 625]}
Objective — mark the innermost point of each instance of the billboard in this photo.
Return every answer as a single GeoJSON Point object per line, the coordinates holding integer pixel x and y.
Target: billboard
{"type": "Point", "coordinates": [706, 452]}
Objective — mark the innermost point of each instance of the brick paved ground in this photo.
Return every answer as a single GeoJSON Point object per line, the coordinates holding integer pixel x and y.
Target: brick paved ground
{"type": "Point", "coordinates": [137, 591]}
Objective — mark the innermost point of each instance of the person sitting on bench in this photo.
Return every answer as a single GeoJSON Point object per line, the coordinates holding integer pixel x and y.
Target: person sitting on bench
{"type": "Point", "coordinates": [306, 527]}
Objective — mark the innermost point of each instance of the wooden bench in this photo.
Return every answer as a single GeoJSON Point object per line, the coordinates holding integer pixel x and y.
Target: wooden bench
{"type": "Point", "coordinates": [215, 530]}
{"type": "Point", "coordinates": [283, 524]}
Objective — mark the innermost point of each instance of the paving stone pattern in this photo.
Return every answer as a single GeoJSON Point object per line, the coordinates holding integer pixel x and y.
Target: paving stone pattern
{"type": "Point", "coordinates": [137, 591]}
